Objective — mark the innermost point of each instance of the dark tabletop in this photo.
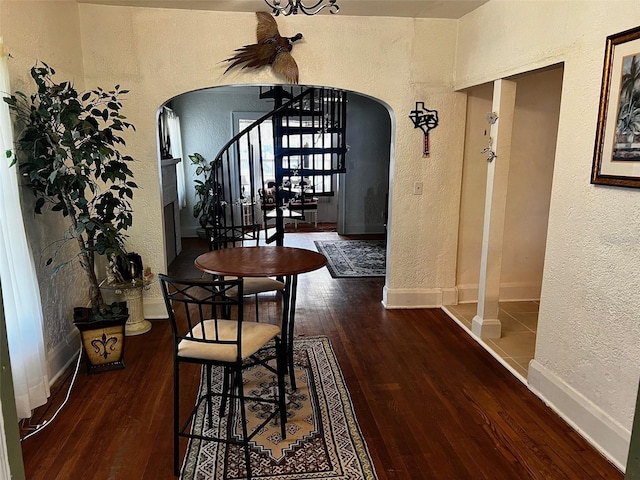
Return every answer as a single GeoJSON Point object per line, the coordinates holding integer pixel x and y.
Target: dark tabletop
{"type": "Point", "coordinates": [269, 261]}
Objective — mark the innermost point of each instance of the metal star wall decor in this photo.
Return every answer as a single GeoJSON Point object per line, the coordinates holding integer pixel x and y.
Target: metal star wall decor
{"type": "Point", "coordinates": [426, 120]}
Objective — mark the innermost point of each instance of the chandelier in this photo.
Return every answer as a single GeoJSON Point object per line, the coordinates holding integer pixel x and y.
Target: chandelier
{"type": "Point", "coordinates": [292, 7]}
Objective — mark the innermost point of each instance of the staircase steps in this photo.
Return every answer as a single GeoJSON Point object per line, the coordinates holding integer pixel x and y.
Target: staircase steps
{"type": "Point", "coordinates": [246, 170]}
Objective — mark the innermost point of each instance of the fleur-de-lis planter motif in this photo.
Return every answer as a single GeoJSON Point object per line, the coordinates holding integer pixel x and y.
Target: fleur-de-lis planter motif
{"type": "Point", "coordinates": [102, 340]}
{"type": "Point", "coordinates": [104, 346]}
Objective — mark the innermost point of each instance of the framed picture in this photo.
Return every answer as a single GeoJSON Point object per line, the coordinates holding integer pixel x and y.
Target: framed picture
{"type": "Point", "coordinates": [616, 158]}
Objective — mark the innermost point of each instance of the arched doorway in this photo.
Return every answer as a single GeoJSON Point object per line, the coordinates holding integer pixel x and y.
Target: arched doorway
{"type": "Point", "coordinates": [358, 203]}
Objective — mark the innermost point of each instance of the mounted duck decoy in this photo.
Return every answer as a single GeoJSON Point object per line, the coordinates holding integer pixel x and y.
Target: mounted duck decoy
{"type": "Point", "coordinates": [271, 49]}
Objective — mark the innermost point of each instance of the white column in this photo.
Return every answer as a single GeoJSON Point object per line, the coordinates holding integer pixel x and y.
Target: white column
{"type": "Point", "coordinates": [486, 324]}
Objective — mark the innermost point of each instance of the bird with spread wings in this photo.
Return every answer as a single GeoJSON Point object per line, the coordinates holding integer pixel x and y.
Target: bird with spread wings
{"type": "Point", "coordinates": [271, 49]}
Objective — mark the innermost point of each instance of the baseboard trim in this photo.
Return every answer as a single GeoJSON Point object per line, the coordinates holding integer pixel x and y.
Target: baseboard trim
{"type": "Point", "coordinates": [418, 298]}
{"type": "Point", "coordinates": [467, 293]}
{"type": "Point", "coordinates": [190, 231]}
{"type": "Point", "coordinates": [509, 292]}
{"type": "Point", "coordinates": [486, 328]}
{"type": "Point", "coordinates": [484, 345]}
{"type": "Point", "coordinates": [155, 309]}
{"type": "Point", "coordinates": [63, 355]}
{"type": "Point", "coordinates": [598, 428]}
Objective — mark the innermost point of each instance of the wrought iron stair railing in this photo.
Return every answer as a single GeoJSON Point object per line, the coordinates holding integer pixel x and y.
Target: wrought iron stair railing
{"type": "Point", "coordinates": [308, 148]}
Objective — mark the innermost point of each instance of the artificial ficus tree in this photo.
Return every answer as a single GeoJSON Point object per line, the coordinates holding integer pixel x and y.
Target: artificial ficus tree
{"type": "Point", "coordinates": [67, 149]}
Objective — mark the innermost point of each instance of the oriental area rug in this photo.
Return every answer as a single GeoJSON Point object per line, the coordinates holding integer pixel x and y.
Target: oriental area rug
{"type": "Point", "coordinates": [323, 437]}
{"type": "Point", "coordinates": [354, 258]}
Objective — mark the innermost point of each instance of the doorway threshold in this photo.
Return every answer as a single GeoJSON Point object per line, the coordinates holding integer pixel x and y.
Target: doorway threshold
{"type": "Point", "coordinates": [516, 347]}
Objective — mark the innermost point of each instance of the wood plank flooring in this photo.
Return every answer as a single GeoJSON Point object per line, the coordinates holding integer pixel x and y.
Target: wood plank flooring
{"type": "Point", "coordinates": [431, 403]}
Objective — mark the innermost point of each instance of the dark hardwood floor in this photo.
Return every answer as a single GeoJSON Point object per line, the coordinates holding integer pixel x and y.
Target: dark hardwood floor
{"type": "Point", "coordinates": [431, 403]}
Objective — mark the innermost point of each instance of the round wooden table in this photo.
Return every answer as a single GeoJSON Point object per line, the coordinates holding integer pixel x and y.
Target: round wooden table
{"type": "Point", "coordinates": [269, 261]}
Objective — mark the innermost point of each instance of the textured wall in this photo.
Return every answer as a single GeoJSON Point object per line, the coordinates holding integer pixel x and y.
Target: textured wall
{"type": "Point", "coordinates": [588, 331]}
{"type": "Point", "coordinates": [50, 33]}
{"type": "Point", "coordinates": [474, 181]}
{"type": "Point", "coordinates": [206, 124]}
{"type": "Point", "coordinates": [535, 130]}
{"type": "Point", "coordinates": [366, 183]}
{"type": "Point", "coordinates": [158, 54]}
{"type": "Point", "coordinates": [161, 53]}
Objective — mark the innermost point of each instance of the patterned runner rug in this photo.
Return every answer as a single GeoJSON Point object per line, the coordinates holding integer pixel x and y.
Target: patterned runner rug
{"type": "Point", "coordinates": [323, 437]}
{"type": "Point", "coordinates": [354, 258]}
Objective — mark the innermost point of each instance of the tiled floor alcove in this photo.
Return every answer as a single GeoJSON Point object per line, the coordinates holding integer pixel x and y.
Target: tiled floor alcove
{"type": "Point", "coordinates": [516, 346]}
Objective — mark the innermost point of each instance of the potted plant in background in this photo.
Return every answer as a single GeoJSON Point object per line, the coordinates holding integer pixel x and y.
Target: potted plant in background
{"type": "Point", "coordinates": [210, 205]}
{"type": "Point", "coordinates": [67, 151]}
{"type": "Point", "coordinates": [204, 190]}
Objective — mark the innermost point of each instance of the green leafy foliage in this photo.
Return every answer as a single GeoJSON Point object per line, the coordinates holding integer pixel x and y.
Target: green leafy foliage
{"type": "Point", "coordinates": [67, 150]}
{"type": "Point", "coordinates": [111, 311]}
{"type": "Point", "coordinates": [204, 190]}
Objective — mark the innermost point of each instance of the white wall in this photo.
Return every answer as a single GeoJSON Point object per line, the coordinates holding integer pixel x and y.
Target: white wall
{"type": "Point", "coordinates": [474, 182]}
{"type": "Point", "coordinates": [206, 124]}
{"type": "Point", "coordinates": [51, 33]}
{"type": "Point", "coordinates": [587, 358]}
{"type": "Point", "coordinates": [364, 187]}
{"type": "Point", "coordinates": [535, 129]}
{"type": "Point", "coordinates": [161, 53]}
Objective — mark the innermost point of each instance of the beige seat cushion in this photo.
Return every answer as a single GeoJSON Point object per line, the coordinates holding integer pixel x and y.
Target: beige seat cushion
{"type": "Point", "coordinates": [254, 336]}
{"type": "Point", "coordinates": [253, 285]}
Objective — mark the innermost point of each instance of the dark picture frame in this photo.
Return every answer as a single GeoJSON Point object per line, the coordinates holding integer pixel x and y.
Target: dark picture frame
{"type": "Point", "coordinates": [616, 158]}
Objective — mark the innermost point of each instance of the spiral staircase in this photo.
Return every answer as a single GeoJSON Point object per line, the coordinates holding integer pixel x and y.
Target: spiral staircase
{"type": "Point", "coordinates": [254, 181]}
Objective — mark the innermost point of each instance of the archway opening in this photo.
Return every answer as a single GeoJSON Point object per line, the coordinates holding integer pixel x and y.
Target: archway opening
{"type": "Point", "coordinates": [355, 201]}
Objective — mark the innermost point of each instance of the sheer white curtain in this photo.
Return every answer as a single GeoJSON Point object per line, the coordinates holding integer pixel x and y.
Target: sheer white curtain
{"type": "Point", "coordinates": [5, 468]}
{"type": "Point", "coordinates": [173, 125]}
{"type": "Point", "coordinates": [20, 292]}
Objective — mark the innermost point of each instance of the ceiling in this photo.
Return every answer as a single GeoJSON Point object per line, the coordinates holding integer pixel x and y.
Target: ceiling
{"type": "Point", "coordinates": [380, 8]}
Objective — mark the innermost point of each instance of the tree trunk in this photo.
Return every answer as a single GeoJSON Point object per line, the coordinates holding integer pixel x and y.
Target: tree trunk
{"type": "Point", "coordinates": [88, 265]}
{"type": "Point", "coordinates": [87, 262]}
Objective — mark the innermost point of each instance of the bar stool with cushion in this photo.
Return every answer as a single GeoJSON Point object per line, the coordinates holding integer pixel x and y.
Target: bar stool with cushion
{"type": "Point", "coordinates": [253, 286]}
{"type": "Point", "coordinates": [204, 335]}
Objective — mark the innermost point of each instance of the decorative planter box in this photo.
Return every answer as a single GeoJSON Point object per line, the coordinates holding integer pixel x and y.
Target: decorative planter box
{"type": "Point", "coordinates": [102, 340]}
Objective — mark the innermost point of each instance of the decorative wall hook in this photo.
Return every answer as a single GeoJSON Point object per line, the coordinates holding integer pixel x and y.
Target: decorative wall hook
{"type": "Point", "coordinates": [492, 117]}
{"type": "Point", "coordinates": [491, 154]}
{"type": "Point", "coordinates": [425, 120]}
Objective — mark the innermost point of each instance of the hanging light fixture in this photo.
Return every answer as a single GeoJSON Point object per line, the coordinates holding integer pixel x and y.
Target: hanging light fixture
{"type": "Point", "coordinates": [292, 7]}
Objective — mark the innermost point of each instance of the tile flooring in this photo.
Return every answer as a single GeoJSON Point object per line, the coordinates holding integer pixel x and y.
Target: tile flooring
{"type": "Point", "coordinates": [519, 320]}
